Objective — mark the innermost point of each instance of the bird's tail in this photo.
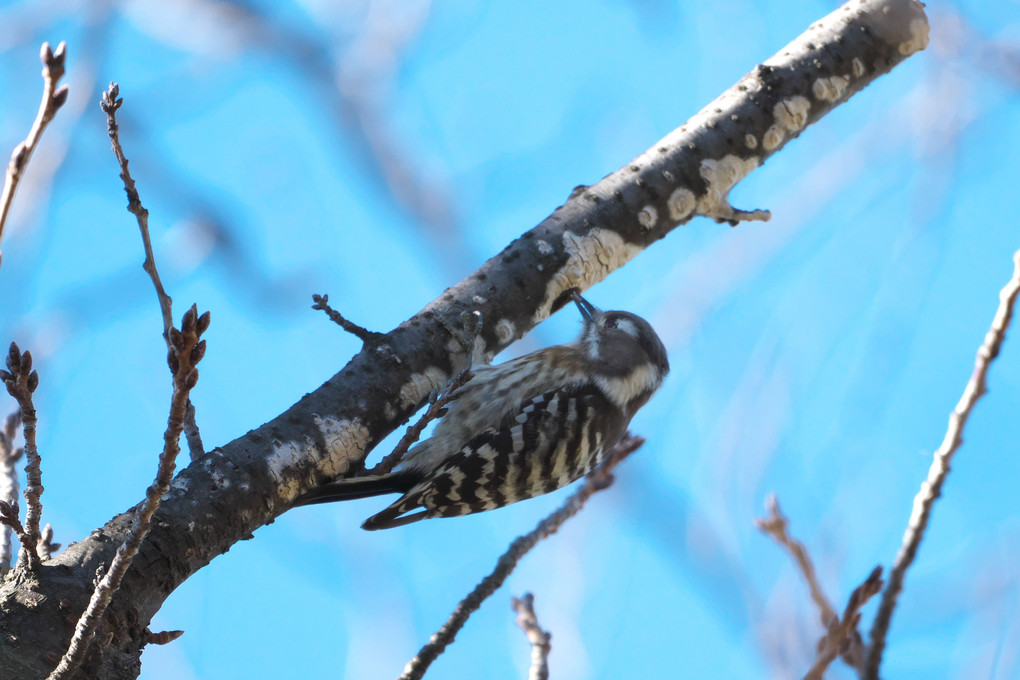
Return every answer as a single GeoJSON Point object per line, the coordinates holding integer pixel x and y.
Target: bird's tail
{"type": "Point", "coordinates": [359, 487]}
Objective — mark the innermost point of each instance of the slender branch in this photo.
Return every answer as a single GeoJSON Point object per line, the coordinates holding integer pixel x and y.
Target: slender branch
{"type": "Point", "coordinates": [186, 351]}
{"type": "Point", "coordinates": [165, 637]}
{"type": "Point", "coordinates": [598, 480]}
{"type": "Point", "coordinates": [842, 638]}
{"type": "Point", "coordinates": [110, 103]}
{"type": "Point", "coordinates": [8, 483]}
{"type": "Point", "coordinates": [437, 407]}
{"type": "Point", "coordinates": [541, 641]}
{"type": "Point", "coordinates": [437, 401]}
{"type": "Point", "coordinates": [931, 488]}
{"type": "Point", "coordinates": [46, 547]}
{"type": "Point", "coordinates": [52, 99]}
{"type": "Point", "coordinates": [196, 449]}
{"type": "Point", "coordinates": [21, 381]}
{"type": "Point", "coordinates": [9, 518]}
{"type": "Point", "coordinates": [775, 525]}
{"type": "Point", "coordinates": [366, 336]}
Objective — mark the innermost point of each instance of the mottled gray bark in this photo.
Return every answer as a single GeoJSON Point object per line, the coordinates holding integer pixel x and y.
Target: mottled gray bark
{"type": "Point", "coordinates": [226, 495]}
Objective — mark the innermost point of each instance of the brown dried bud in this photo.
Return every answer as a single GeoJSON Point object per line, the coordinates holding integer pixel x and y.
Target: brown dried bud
{"type": "Point", "coordinates": [26, 362]}
{"type": "Point", "coordinates": [173, 362]}
{"type": "Point", "coordinates": [189, 320]}
{"type": "Point", "coordinates": [33, 381]}
{"type": "Point", "coordinates": [176, 339]}
{"type": "Point", "coordinates": [53, 62]}
{"type": "Point", "coordinates": [19, 157]}
{"type": "Point", "coordinates": [203, 323]}
{"type": "Point", "coordinates": [197, 352]}
{"type": "Point", "coordinates": [109, 102]}
{"type": "Point", "coordinates": [14, 359]}
{"type": "Point", "coordinates": [59, 97]}
{"type": "Point", "coordinates": [191, 380]}
{"type": "Point", "coordinates": [5, 376]}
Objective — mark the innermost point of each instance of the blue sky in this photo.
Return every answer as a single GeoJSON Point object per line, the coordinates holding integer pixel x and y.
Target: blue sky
{"type": "Point", "coordinates": [817, 355]}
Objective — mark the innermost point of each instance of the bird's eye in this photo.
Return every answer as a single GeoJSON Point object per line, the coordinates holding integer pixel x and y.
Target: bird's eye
{"type": "Point", "coordinates": [610, 323]}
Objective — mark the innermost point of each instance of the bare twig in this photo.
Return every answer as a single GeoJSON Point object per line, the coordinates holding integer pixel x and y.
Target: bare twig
{"type": "Point", "coordinates": [46, 547]}
{"type": "Point", "coordinates": [8, 483]}
{"type": "Point", "coordinates": [110, 104]}
{"type": "Point", "coordinates": [195, 446]}
{"type": "Point", "coordinates": [931, 488]}
{"type": "Point", "coordinates": [437, 407]}
{"type": "Point", "coordinates": [541, 641]}
{"type": "Point", "coordinates": [437, 402]}
{"type": "Point", "coordinates": [53, 98]}
{"type": "Point", "coordinates": [598, 480]}
{"type": "Point", "coordinates": [842, 638]}
{"type": "Point", "coordinates": [165, 637]}
{"type": "Point", "coordinates": [366, 336]}
{"type": "Point", "coordinates": [775, 525]}
{"type": "Point", "coordinates": [9, 518]}
{"type": "Point", "coordinates": [21, 382]}
{"type": "Point", "coordinates": [186, 351]}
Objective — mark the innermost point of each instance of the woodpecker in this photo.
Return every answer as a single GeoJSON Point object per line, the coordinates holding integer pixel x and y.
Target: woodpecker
{"type": "Point", "coordinates": [522, 428]}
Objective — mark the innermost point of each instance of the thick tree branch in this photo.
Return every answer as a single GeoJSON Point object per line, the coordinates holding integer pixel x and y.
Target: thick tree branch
{"type": "Point", "coordinates": [931, 488]}
{"type": "Point", "coordinates": [233, 490]}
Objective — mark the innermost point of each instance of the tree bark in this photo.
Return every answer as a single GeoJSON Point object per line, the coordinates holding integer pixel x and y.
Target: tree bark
{"type": "Point", "coordinates": [224, 496]}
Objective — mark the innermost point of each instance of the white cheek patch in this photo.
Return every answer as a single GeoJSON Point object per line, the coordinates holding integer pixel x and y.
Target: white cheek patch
{"type": "Point", "coordinates": [628, 327]}
{"type": "Point", "coordinates": [621, 390]}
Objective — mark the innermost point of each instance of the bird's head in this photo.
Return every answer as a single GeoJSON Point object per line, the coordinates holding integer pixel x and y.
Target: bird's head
{"type": "Point", "coordinates": [626, 355]}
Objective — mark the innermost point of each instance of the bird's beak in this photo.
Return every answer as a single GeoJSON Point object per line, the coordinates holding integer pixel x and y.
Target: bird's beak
{"type": "Point", "coordinates": [588, 310]}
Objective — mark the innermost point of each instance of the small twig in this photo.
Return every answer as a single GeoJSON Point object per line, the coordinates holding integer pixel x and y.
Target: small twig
{"type": "Point", "coordinates": [437, 402]}
{"type": "Point", "coordinates": [52, 99]}
{"type": "Point", "coordinates": [775, 525]}
{"type": "Point", "coordinates": [8, 483]}
{"type": "Point", "coordinates": [195, 446]}
{"type": "Point", "coordinates": [163, 638]}
{"type": "Point", "coordinates": [186, 352]}
{"type": "Point", "coordinates": [110, 103]}
{"type": "Point", "coordinates": [541, 641]}
{"type": "Point", "coordinates": [21, 382]}
{"type": "Point", "coordinates": [9, 518]}
{"type": "Point", "coordinates": [368, 337]}
{"type": "Point", "coordinates": [931, 488]}
{"type": "Point", "coordinates": [46, 546]}
{"type": "Point", "coordinates": [596, 481]}
{"type": "Point", "coordinates": [437, 407]}
{"type": "Point", "coordinates": [842, 638]}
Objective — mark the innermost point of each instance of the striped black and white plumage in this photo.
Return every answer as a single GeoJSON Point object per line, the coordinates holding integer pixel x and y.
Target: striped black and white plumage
{"type": "Point", "coordinates": [522, 428]}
